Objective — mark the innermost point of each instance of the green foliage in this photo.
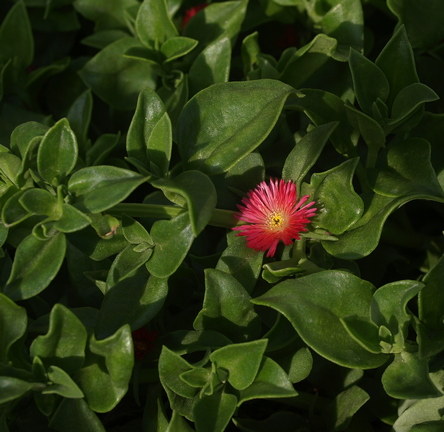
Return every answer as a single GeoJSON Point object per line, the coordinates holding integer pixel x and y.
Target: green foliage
{"type": "Point", "coordinates": [131, 130]}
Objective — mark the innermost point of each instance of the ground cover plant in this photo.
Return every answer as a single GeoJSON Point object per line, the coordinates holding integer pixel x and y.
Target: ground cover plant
{"type": "Point", "coordinates": [221, 217]}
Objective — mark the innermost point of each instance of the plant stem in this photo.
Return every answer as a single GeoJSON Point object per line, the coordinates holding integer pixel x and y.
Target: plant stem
{"type": "Point", "coordinates": [220, 218]}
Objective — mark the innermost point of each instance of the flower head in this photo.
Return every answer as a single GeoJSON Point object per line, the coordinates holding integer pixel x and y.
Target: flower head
{"type": "Point", "coordinates": [143, 342]}
{"type": "Point", "coordinates": [273, 213]}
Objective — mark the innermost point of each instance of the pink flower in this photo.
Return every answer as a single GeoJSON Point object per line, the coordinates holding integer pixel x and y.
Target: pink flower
{"type": "Point", "coordinates": [189, 13]}
{"type": "Point", "coordinates": [143, 341]}
{"type": "Point", "coordinates": [273, 213]}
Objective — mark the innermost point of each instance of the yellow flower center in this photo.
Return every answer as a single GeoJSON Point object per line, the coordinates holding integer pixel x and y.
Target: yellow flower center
{"type": "Point", "coordinates": [276, 220]}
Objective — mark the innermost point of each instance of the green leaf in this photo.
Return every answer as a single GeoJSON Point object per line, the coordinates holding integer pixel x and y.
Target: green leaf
{"type": "Point", "coordinates": [363, 70]}
{"type": "Point", "coordinates": [102, 147]}
{"type": "Point", "coordinates": [135, 232]}
{"type": "Point", "coordinates": [177, 47]}
{"type": "Point", "coordinates": [13, 323]}
{"type": "Point", "coordinates": [10, 167]}
{"type": "Point", "coordinates": [227, 308]}
{"type": "Point", "coordinates": [314, 304]}
{"type": "Point", "coordinates": [211, 66]}
{"type": "Point", "coordinates": [24, 135]}
{"type": "Point", "coordinates": [64, 344]}
{"type": "Point", "coordinates": [218, 20]}
{"type": "Point", "coordinates": [39, 201]}
{"type": "Point", "coordinates": [339, 205]}
{"type": "Point", "coordinates": [13, 212]}
{"type": "Point", "coordinates": [35, 265]}
{"type": "Point", "coordinates": [197, 191]}
{"type": "Point", "coordinates": [213, 412]}
{"type": "Point", "coordinates": [79, 118]}
{"type": "Point", "coordinates": [105, 375]}
{"type": "Point", "coordinates": [344, 406]}
{"type": "Point", "coordinates": [135, 307]}
{"type": "Point", "coordinates": [397, 63]}
{"type": "Point", "coordinates": [407, 377]}
{"type": "Point", "coordinates": [101, 187]}
{"type": "Point", "coordinates": [16, 40]}
{"type": "Point", "coordinates": [308, 60]}
{"type": "Point", "coordinates": [241, 262]}
{"type": "Point", "coordinates": [57, 154]}
{"type": "Point", "coordinates": [306, 152]}
{"type": "Point", "coordinates": [178, 424]}
{"type": "Point", "coordinates": [405, 169]}
{"type": "Point", "coordinates": [150, 135]}
{"type": "Point", "coordinates": [153, 24]}
{"type": "Point", "coordinates": [13, 388]}
{"type": "Point", "coordinates": [171, 367]}
{"type": "Point", "coordinates": [116, 79]}
{"type": "Point", "coordinates": [71, 220]}
{"type": "Point", "coordinates": [430, 307]}
{"type": "Point", "coordinates": [270, 382]}
{"type": "Point", "coordinates": [242, 361]}
{"type": "Point", "coordinates": [85, 418]}
{"type": "Point", "coordinates": [242, 118]}
{"type": "Point", "coordinates": [62, 384]}
{"type": "Point", "coordinates": [172, 239]}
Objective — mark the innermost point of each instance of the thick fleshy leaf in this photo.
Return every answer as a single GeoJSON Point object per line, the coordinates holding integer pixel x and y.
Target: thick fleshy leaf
{"type": "Point", "coordinates": [242, 118]}
{"type": "Point", "coordinates": [79, 118]}
{"type": "Point", "coordinates": [339, 206]}
{"type": "Point", "coordinates": [241, 262]}
{"type": "Point", "coordinates": [61, 384]}
{"type": "Point", "coordinates": [314, 305]}
{"type": "Point", "coordinates": [149, 137]}
{"type": "Point", "coordinates": [98, 188]}
{"type": "Point", "coordinates": [197, 191]}
{"type": "Point", "coordinates": [271, 381]}
{"type": "Point", "coordinates": [211, 66]}
{"type": "Point", "coordinates": [135, 307]}
{"type": "Point", "coordinates": [153, 24]}
{"type": "Point", "coordinates": [116, 79]}
{"type": "Point", "coordinates": [64, 343]}
{"type": "Point", "coordinates": [178, 424]}
{"type": "Point", "coordinates": [306, 152]}
{"type": "Point", "coordinates": [407, 377]}
{"type": "Point", "coordinates": [39, 201]}
{"type": "Point", "coordinates": [105, 376]}
{"type": "Point", "coordinates": [71, 220]}
{"type": "Point", "coordinates": [397, 62]}
{"type": "Point", "coordinates": [430, 307]}
{"type": "Point", "coordinates": [177, 47]}
{"type": "Point", "coordinates": [227, 308]}
{"type": "Point", "coordinates": [13, 322]}
{"type": "Point", "coordinates": [363, 70]}
{"type": "Point", "coordinates": [85, 418]}
{"type": "Point", "coordinates": [57, 154]}
{"type": "Point", "coordinates": [23, 136]}
{"type": "Point", "coordinates": [213, 412]}
{"type": "Point", "coordinates": [13, 388]}
{"type": "Point", "coordinates": [405, 169]}
{"type": "Point", "coordinates": [242, 361]}
{"type": "Point", "coordinates": [172, 239]}
{"type": "Point", "coordinates": [35, 265]}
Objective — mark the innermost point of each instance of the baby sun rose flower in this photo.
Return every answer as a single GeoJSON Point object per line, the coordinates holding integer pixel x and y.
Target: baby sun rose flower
{"type": "Point", "coordinates": [273, 213]}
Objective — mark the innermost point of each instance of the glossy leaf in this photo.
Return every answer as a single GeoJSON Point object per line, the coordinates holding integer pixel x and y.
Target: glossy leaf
{"type": "Point", "coordinates": [306, 152]}
{"type": "Point", "coordinates": [397, 63]}
{"type": "Point", "coordinates": [150, 136]}
{"type": "Point", "coordinates": [217, 141]}
{"type": "Point", "coordinates": [39, 201]}
{"type": "Point", "coordinates": [407, 377]}
{"type": "Point", "coordinates": [227, 308]}
{"type": "Point", "coordinates": [62, 384]}
{"type": "Point", "coordinates": [116, 79]}
{"type": "Point", "coordinates": [172, 239]}
{"type": "Point", "coordinates": [197, 191]}
{"type": "Point", "coordinates": [13, 322]}
{"type": "Point", "coordinates": [64, 344]}
{"type": "Point", "coordinates": [177, 47]}
{"type": "Point", "coordinates": [57, 154]}
{"type": "Point", "coordinates": [242, 361]}
{"type": "Point", "coordinates": [153, 24]}
{"type": "Point", "coordinates": [13, 388]}
{"type": "Point", "coordinates": [105, 376]}
{"type": "Point", "coordinates": [339, 205]}
{"type": "Point", "coordinates": [213, 412]}
{"type": "Point", "coordinates": [135, 307]}
{"type": "Point", "coordinates": [270, 382]}
{"type": "Point", "coordinates": [98, 188]}
{"type": "Point", "coordinates": [71, 220]}
{"type": "Point", "coordinates": [35, 265]}
{"type": "Point", "coordinates": [314, 305]}
{"type": "Point", "coordinates": [211, 66]}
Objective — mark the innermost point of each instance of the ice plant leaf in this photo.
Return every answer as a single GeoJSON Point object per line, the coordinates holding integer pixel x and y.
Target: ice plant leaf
{"type": "Point", "coordinates": [273, 213]}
